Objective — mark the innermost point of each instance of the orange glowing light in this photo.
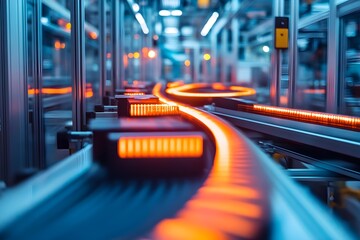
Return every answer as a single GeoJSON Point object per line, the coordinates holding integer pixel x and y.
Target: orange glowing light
{"type": "Point", "coordinates": [207, 57]}
{"type": "Point", "coordinates": [134, 93]}
{"type": "Point", "coordinates": [88, 91]}
{"type": "Point", "coordinates": [61, 22]}
{"type": "Point", "coordinates": [156, 37]}
{"type": "Point", "coordinates": [179, 229]}
{"type": "Point", "coordinates": [314, 91]}
{"type": "Point", "coordinates": [187, 63]}
{"type": "Point", "coordinates": [89, 94]}
{"type": "Point", "coordinates": [93, 35]}
{"type": "Point", "coordinates": [151, 54]}
{"type": "Point", "coordinates": [108, 55]}
{"type": "Point", "coordinates": [57, 44]}
{"type": "Point", "coordinates": [63, 45]}
{"type": "Point", "coordinates": [145, 50]}
{"type": "Point", "coordinates": [139, 110]}
{"type": "Point", "coordinates": [65, 90]}
{"type": "Point", "coordinates": [136, 54]}
{"type": "Point", "coordinates": [242, 208]}
{"type": "Point", "coordinates": [175, 84]}
{"type": "Point", "coordinates": [130, 55]}
{"type": "Point", "coordinates": [203, 3]}
{"type": "Point", "coordinates": [125, 60]}
{"type": "Point", "coordinates": [230, 197]}
{"type": "Point", "coordinates": [59, 91]}
{"type": "Point", "coordinates": [317, 117]}
{"type": "Point", "coordinates": [158, 146]}
{"type": "Point", "coordinates": [33, 91]}
{"type": "Point", "coordinates": [232, 91]}
{"type": "Point", "coordinates": [68, 26]}
{"type": "Point", "coordinates": [219, 86]}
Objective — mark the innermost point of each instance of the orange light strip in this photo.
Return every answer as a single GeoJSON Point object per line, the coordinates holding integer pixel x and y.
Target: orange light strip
{"type": "Point", "coordinates": [175, 84]}
{"type": "Point", "coordinates": [187, 146]}
{"type": "Point", "coordinates": [231, 178]}
{"type": "Point", "coordinates": [231, 91]}
{"type": "Point", "coordinates": [314, 91]}
{"type": "Point", "coordinates": [59, 91]}
{"type": "Point", "coordinates": [56, 90]}
{"type": "Point", "coordinates": [318, 117]}
{"type": "Point", "coordinates": [134, 93]}
{"type": "Point", "coordinates": [141, 110]}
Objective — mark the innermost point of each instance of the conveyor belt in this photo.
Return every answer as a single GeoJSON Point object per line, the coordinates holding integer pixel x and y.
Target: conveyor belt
{"type": "Point", "coordinates": [242, 194]}
{"type": "Point", "coordinates": [95, 207]}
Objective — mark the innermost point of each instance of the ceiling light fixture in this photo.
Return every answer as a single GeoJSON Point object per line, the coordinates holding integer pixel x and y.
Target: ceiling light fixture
{"type": "Point", "coordinates": [176, 13]}
{"type": "Point", "coordinates": [164, 13]}
{"type": "Point", "coordinates": [209, 24]}
{"type": "Point", "coordinates": [142, 23]}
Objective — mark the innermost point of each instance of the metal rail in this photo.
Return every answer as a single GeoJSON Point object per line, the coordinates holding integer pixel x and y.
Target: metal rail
{"type": "Point", "coordinates": [332, 139]}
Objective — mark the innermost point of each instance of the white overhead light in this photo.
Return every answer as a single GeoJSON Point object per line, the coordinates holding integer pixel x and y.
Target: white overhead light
{"type": "Point", "coordinates": [266, 49]}
{"type": "Point", "coordinates": [142, 23]}
{"type": "Point", "coordinates": [209, 24]}
{"type": "Point", "coordinates": [176, 13]}
{"type": "Point", "coordinates": [171, 31]}
{"type": "Point", "coordinates": [135, 7]}
{"type": "Point", "coordinates": [44, 20]}
{"type": "Point", "coordinates": [164, 13]}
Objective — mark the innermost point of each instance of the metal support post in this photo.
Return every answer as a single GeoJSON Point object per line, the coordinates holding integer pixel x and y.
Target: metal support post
{"type": "Point", "coordinates": [332, 86]}
{"type": "Point", "coordinates": [78, 63]}
{"type": "Point", "coordinates": [293, 51]}
{"type": "Point", "coordinates": [102, 49]}
{"type": "Point", "coordinates": [275, 87]}
{"type": "Point", "coordinates": [13, 90]}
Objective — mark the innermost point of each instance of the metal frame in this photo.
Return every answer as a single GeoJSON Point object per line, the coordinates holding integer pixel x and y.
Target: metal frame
{"type": "Point", "coordinates": [102, 49]}
{"type": "Point", "coordinates": [343, 10]}
{"type": "Point", "coordinates": [41, 186]}
{"type": "Point", "coordinates": [313, 18]}
{"type": "Point", "coordinates": [293, 56]}
{"type": "Point", "coordinates": [345, 141]}
{"type": "Point", "coordinates": [38, 121]}
{"type": "Point", "coordinates": [276, 58]}
{"type": "Point", "coordinates": [78, 64]}
{"type": "Point", "coordinates": [13, 105]}
{"type": "Point", "coordinates": [117, 19]}
{"type": "Point", "coordinates": [332, 86]}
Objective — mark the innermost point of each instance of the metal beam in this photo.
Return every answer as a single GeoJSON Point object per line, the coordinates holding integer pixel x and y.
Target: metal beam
{"type": "Point", "coordinates": [38, 120]}
{"type": "Point", "coordinates": [102, 49]}
{"type": "Point", "coordinates": [312, 175]}
{"type": "Point", "coordinates": [293, 56]}
{"type": "Point", "coordinates": [332, 86]}
{"type": "Point", "coordinates": [276, 59]}
{"type": "Point", "coordinates": [78, 63]}
{"type": "Point", "coordinates": [13, 90]}
{"type": "Point", "coordinates": [117, 21]}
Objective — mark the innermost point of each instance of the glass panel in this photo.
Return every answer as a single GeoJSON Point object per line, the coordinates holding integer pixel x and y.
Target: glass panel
{"type": "Point", "coordinates": [133, 35]}
{"type": "Point", "coordinates": [351, 81]}
{"type": "Point", "coordinates": [57, 86]}
{"type": "Point", "coordinates": [312, 67]}
{"type": "Point", "coordinates": [310, 7]}
{"type": "Point", "coordinates": [255, 44]}
{"type": "Point", "coordinates": [92, 57]}
{"type": "Point", "coordinates": [254, 71]}
{"type": "Point", "coordinates": [30, 80]}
